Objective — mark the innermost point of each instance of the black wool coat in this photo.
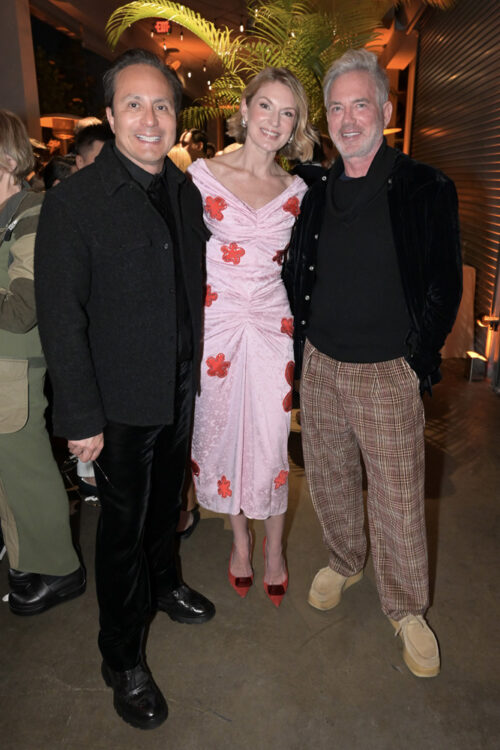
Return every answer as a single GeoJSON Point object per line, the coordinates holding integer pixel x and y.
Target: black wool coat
{"type": "Point", "coordinates": [105, 295]}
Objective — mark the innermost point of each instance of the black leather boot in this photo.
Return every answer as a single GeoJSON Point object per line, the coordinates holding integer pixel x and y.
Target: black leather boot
{"type": "Point", "coordinates": [137, 698]}
{"type": "Point", "coordinates": [33, 593]}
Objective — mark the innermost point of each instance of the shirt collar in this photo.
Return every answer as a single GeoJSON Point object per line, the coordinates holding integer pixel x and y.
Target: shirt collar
{"type": "Point", "coordinates": [113, 169]}
{"type": "Point", "coordinates": [140, 175]}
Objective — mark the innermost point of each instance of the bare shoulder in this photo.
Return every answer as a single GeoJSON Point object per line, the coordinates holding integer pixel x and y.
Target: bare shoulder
{"type": "Point", "coordinates": [283, 176]}
{"type": "Point", "coordinates": [222, 166]}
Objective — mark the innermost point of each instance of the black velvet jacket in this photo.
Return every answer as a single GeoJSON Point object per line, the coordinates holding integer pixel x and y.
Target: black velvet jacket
{"type": "Point", "coordinates": [424, 216]}
{"type": "Point", "coordinates": [105, 294]}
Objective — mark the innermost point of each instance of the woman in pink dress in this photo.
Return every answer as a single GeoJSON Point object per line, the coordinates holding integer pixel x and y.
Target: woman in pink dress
{"type": "Point", "coordinates": [242, 414]}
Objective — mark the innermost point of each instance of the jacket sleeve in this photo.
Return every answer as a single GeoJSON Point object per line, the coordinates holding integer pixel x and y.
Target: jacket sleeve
{"type": "Point", "coordinates": [292, 271]}
{"type": "Point", "coordinates": [443, 271]}
{"type": "Point", "coordinates": [62, 286]}
{"type": "Point", "coordinates": [289, 270]}
{"type": "Point", "coordinates": [17, 302]}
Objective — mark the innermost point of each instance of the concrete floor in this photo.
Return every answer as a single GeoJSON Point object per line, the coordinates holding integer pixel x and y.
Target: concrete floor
{"type": "Point", "coordinates": [294, 678]}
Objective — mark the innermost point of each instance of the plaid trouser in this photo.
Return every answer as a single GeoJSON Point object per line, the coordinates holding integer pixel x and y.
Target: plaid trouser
{"type": "Point", "coordinates": [374, 408]}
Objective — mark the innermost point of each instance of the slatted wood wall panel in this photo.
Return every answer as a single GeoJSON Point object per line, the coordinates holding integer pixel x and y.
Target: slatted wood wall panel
{"type": "Point", "coordinates": [456, 126]}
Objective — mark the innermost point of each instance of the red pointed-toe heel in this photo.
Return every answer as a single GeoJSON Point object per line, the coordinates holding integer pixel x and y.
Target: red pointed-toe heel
{"type": "Point", "coordinates": [241, 584]}
{"type": "Point", "coordinates": [275, 591]}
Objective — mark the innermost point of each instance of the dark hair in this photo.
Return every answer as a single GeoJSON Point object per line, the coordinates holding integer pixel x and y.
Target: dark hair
{"type": "Point", "coordinates": [58, 168]}
{"type": "Point", "coordinates": [199, 136]}
{"type": "Point", "coordinates": [86, 137]}
{"type": "Point", "coordinates": [210, 150]}
{"type": "Point", "coordinates": [140, 56]}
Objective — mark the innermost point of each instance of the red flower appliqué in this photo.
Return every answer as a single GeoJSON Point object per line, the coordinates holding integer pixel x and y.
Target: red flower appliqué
{"type": "Point", "coordinates": [287, 401]}
{"type": "Point", "coordinates": [279, 257]}
{"type": "Point", "coordinates": [215, 207]}
{"type": "Point", "coordinates": [232, 254]}
{"type": "Point", "coordinates": [287, 326]}
{"type": "Point", "coordinates": [217, 366]}
{"type": "Point", "coordinates": [195, 468]}
{"type": "Point", "coordinates": [280, 480]}
{"type": "Point", "coordinates": [210, 296]}
{"type": "Point", "coordinates": [292, 206]}
{"type": "Point", "coordinates": [224, 487]}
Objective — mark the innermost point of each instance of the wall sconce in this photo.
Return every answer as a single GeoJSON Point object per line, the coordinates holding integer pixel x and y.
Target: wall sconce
{"type": "Point", "coordinates": [490, 321]}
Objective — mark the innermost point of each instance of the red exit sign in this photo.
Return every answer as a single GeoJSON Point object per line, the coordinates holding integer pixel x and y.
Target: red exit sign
{"type": "Point", "coordinates": [162, 27]}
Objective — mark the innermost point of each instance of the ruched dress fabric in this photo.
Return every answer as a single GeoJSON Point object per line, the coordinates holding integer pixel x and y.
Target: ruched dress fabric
{"type": "Point", "coordinates": [242, 414]}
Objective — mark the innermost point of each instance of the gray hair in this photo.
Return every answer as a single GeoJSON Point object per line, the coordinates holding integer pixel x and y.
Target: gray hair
{"type": "Point", "coordinates": [354, 60]}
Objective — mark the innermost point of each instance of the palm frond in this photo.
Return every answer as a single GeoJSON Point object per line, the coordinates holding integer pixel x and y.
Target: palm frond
{"type": "Point", "coordinates": [219, 40]}
{"type": "Point", "coordinates": [197, 116]}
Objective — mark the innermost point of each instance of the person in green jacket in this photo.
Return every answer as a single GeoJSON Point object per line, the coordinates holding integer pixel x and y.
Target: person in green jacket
{"type": "Point", "coordinates": [44, 567]}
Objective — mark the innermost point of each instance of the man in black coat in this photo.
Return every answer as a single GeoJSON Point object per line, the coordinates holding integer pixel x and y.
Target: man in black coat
{"type": "Point", "coordinates": [374, 278]}
{"type": "Point", "coordinates": [119, 286]}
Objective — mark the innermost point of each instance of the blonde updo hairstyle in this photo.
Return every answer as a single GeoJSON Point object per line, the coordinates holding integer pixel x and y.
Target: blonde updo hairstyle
{"type": "Point", "coordinates": [303, 135]}
{"type": "Point", "coordinates": [14, 142]}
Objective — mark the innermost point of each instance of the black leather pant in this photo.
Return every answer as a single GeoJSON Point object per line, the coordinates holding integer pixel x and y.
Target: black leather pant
{"type": "Point", "coordinates": [139, 475]}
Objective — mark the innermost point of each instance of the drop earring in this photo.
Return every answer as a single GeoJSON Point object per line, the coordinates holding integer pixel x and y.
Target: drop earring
{"type": "Point", "coordinates": [243, 122]}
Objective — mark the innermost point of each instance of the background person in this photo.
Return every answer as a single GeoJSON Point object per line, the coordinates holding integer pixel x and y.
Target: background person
{"type": "Point", "coordinates": [57, 169]}
{"type": "Point", "coordinates": [89, 142]}
{"type": "Point", "coordinates": [34, 509]}
{"type": "Point", "coordinates": [195, 141]}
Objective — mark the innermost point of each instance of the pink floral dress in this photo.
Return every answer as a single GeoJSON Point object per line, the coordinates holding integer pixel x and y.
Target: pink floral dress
{"type": "Point", "coordinates": [242, 414]}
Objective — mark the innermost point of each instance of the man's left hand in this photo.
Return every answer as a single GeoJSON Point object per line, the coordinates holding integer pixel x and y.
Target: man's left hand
{"type": "Point", "coordinates": [87, 449]}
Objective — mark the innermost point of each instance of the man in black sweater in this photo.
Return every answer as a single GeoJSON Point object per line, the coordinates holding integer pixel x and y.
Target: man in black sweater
{"type": "Point", "coordinates": [374, 278]}
{"type": "Point", "coordinates": [119, 294]}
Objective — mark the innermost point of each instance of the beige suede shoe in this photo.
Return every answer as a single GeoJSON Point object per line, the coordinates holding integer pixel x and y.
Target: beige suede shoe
{"type": "Point", "coordinates": [420, 647]}
{"type": "Point", "coordinates": [327, 587]}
